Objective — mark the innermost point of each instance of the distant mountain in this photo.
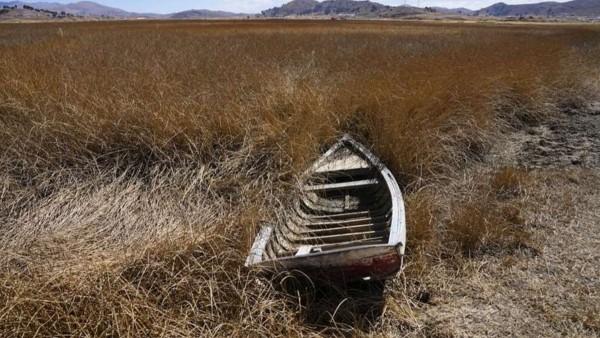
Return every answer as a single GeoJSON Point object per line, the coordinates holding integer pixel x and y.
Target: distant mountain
{"type": "Point", "coordinates": [88, 8]}
{"type": "Point", "coordinates": [453, 11]}
{"type": "Point", "coordinates": [340, 7]}
{"type": "Point", "coordinates": [27, 14]}
{"type": "Point", "coordinates": [349, 7]}
{"type": "Point", "coordinates": [203, 14]}
{"type": "Point", "coordinates": [583, 8]}
{"type": "Point", "coordinates": [362, 8]}
{"type": "Point", "coordinates": [295, 7]}
{"type": "Point", "coordinates": [83, 8]}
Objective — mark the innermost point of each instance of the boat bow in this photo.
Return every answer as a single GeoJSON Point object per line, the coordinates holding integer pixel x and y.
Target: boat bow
{"type": "Point", "coordinates": [348, 221]}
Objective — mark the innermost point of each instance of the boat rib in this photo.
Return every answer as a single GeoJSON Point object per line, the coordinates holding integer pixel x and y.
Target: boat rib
{"type": "Point", "coordinates": [348, 219]}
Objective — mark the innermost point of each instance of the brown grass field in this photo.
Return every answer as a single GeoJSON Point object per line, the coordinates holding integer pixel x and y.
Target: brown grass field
{"type": "Point", "coordinates": [137, 160]}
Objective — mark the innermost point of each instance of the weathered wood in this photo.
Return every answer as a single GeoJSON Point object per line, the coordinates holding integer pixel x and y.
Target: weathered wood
{"type": "Point", "coordinates": [349, 220]}
{"type": "Point", "coordinates": [342, 185]}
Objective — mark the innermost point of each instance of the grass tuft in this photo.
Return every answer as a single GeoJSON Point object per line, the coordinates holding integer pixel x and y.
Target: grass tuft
{"type": "Point", "coordinates": [138, 159]}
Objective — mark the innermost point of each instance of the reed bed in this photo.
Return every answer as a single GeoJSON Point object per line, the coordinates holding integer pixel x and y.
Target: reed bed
{"type": "Point", "coordinates": [138, 158]}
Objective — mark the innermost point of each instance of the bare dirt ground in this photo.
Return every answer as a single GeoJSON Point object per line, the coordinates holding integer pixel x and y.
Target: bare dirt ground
{"type": "Point", "coordinates": [553, 288]}
{"type": "Point", "coordinates": [573, 139]}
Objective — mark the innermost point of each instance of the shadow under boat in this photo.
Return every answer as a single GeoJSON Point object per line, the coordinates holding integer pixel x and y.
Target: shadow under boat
{"type": "Point", "coordinates": [335, 307]}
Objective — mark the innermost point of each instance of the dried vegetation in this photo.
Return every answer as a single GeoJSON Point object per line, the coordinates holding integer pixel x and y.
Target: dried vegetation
{"type": "Point", "coordinates": [137, 160]}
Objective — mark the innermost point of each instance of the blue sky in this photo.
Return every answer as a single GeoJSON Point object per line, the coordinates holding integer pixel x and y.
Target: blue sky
{"type": "Point", "coordinates": [255, 6]}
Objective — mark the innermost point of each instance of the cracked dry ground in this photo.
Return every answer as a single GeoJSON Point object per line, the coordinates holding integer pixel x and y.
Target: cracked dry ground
{"type": "Point", "coordinates": [554, 291]}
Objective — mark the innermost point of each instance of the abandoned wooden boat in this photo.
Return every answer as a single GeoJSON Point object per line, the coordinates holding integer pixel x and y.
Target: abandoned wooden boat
{"type": "Point", "coordinates": [348, 221]}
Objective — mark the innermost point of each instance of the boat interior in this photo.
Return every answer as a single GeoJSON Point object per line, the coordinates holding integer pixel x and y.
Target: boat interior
{"type": "Point", "coordinates": [344, 203]}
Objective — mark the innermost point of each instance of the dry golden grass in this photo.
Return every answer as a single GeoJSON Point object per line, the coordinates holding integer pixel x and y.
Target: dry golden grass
{"type": "Point", "coordinates": [137, 159]}
{"type": "Point", "coordinates": [510, 181]}
{"type": "Point", "coordinates": [484, 225]}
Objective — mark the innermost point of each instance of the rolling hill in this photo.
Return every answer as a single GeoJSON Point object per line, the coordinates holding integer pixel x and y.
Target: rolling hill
{"type": "Point", "coordinates": [203, 14]}
{"type": "Point", "coordinates": [583, 8]}
{"type": "Point", "coordinates": [89, 8]}
{"type": "Point", "coordinates": [340, 7]}
{"type": "Point", "coordinates": [295, 7]}
{"type": "Point", "coordinates": [362, 8]}
{"type": "Point", "coordinates": [453, 11]}
{"type": "Point", "coordinates": [12, 14]}
{"type": "Point", "coordinates": [83, 8]}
